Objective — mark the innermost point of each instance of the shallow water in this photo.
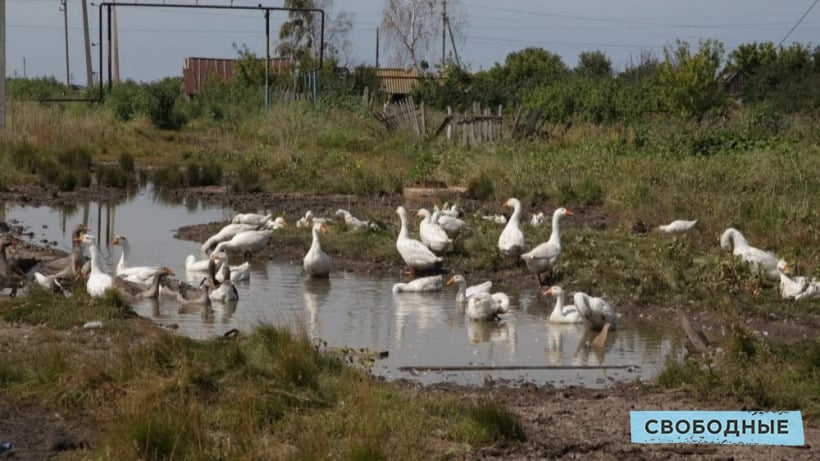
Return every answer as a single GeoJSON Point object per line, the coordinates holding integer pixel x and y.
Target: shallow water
{"type": "Point", "coordinates": [427, 336]}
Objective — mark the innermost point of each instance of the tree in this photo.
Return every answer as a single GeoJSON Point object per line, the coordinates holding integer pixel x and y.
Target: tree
{"type": "Point", "coordinates": [593, 64]}
{"type": "Point", "coordinates": [411, 27]}
{"type": "Point", "coordinates": [300, 35]}
{"type": "Point", "coordinates": [749, 57]}
{"type": "Point", "coordinates": [528, 68]}
{"type": "Point", "coordinates": [688, 81]}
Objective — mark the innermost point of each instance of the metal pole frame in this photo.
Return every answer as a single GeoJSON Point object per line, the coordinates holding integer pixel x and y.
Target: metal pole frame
{"type": "Point", "coordinates": [266, 9]}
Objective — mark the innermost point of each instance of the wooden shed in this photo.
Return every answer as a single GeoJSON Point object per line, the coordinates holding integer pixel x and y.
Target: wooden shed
{"type": "Point", "coordinates": [733, 82]}
{"type": "Point", "coordinates": [397, 83]}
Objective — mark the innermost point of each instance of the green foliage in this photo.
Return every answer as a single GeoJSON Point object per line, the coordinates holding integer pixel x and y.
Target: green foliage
{"type": "Point", "coordinates": [250, 69]}
{"type": "Point", "coordinates": [688, 85]}
{"type": "Point", "coordinates": [459, 89]}
{"type": "Point", "coordinates": [113, 176]}
{"type": "Point", "coordinates": [480, 187]}
{"type": "Point", "coordinates": [754, 370]}
{"type": "Point", "coordinates": [157, 100]}
{"type": "Point", "coordinates": [490, 422]}
{"type": "Point", "coordinates": [247, 180]}
{"type": "Point", "coordinates": [593, 64]}
{"type": "Point", "coordinates": [168, 177]}
{"type": "Point", "coordinates": [35, 89]}
{"type": "Point", "coordinates": [527, 69]}
{"type": "Point", "coordinates": [126, 162]}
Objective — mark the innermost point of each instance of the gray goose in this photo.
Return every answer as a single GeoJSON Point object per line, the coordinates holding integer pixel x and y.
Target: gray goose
{"type": "Point", "coordinates": [9, 277]}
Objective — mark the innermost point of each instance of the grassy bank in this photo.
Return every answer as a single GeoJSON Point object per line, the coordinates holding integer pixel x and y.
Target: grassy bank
{"type": "Point", "coordinates": [268, 395]}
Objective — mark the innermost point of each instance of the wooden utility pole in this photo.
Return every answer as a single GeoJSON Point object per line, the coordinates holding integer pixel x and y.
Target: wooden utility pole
{"type": "Point", "coordinates": [443, 31]}
{"type": "Point", "coordinates": [377, 48]}
{"type": "Point", "coordinates": [115, 45]}
{"type": "Point", "coordinates": [89, 75]}
{"type": "Point", "coordinates": [64, 7]}
{"type": "Point", "coordinates": [2, 64]}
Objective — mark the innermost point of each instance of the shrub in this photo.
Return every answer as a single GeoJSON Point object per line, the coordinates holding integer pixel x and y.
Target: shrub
{"type": "Point", "coordinates": [480, 188]}
{"type": "Point", "coordinates": [126, 162]}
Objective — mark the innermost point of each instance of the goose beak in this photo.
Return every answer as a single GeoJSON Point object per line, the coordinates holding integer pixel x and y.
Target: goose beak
{"type": "Point", "coordinates": [548, 291]}
{"type": "Point", "coordinates": [451, 281]}
{"type": "Point", "coordinates": [786, 269]}
{"type": "Point", "coordinates": [116, 240]}
{"type": "Point", "coordinates": [323, 228]}
{"type": "Point", "coordinates": [569, 212]}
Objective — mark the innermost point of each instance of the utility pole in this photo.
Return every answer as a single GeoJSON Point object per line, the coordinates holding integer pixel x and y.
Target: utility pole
{"type": "Point", "coordinates": [2, 65]}
{"type": "Point", "coordinates": [89, 75]}
{"type": "Point", "coordinates": [443, 31]}
{"type": "Point", "coordinates": [377, 48]}
{"type": "Point", "coordinates": [115, 44]}
{"type": "Point", "coordinates": [64, 9]}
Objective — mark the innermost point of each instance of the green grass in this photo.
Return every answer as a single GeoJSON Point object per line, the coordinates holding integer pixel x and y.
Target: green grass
{"type": "Point", "coordinates": [270, 394]}
{"type": "Point", "coordinates": [756, 371]}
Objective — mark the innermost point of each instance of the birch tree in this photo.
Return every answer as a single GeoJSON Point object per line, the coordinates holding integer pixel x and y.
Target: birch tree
{"type": "Point", "coordinates": [413, 27]}
{"type": "Point", "coordinates": [300, 35]}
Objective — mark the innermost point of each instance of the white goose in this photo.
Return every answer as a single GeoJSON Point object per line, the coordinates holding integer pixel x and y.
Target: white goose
{"type": "Point", "coordinates": [421, 284]}
{"type": "Point", "coordinates": [134, 290]}
{"type": "Point", "coordinates": [98, 281]}
{"type": "Point", "coordinates": [251, 218]}
{"type": "Point", "coordinates": [247, 242]}
{"type": "Point", "coordinates": [225, 234]}
{"type": "Point", "coordinates": [138, 274]}
{"type": "Point", "coordinates": [497, 219]}
{"type": "Point", "coordinates": [239, 272]}
{"type": "Point", "coordinates": [562, 313]}
{"type": "Point", "coordinates": [790, 287]}
{"type": "Point", "coordinates": [277, 223]}
{"type": "Point", "coordinates": [543, 257]}
{"type": "Point", "coordinates": [537, 219]}
{"type": "Point", "coordinates": [733, 240]}
{"type": "Point", "coordinates": [450, 224]}
{"type": "Point", "coordinates": [465, 292]}
{"type": "Point", "coordinates": [679, 225]}
{"type": "Point", "coordinates": [316, 262]}
{"type": "Point", "coordinates": [194, 265]}
{"type": "Point", "coordinates": [414, 253]}
{"type": "Point", "coordinates": [487, 307]}
{"type": "Point", "coordinates": [352, 221]}
{"type": "Point", "coordinates": [797, 287]}
{"type": "Point", "coordinates": [431, 234]}
{"type": "Point", "coordinates": [306, 220]}
{"type": "Point", "coordinates": [511, 241]}
{"type": "Point", "coordinates": [595, 311]}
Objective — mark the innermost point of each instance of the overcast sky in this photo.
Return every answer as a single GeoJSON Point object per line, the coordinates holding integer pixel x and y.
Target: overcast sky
{"type": "Point", "coordinates": [154, 42]}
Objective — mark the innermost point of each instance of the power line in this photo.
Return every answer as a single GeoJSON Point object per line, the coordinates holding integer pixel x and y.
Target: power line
{"type": "Point", "coordinates": [797, 23]}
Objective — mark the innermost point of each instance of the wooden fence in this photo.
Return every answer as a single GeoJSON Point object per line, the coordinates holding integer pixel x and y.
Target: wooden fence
{"type": "Point", "coordinates": [480, 125]}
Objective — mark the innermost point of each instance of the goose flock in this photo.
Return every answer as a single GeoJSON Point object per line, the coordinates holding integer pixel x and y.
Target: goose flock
{"type": "Point", "coordinates": [211, 279]}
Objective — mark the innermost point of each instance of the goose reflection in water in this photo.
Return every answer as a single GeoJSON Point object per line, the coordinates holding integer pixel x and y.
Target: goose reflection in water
{"type": "Point", "coordinates": [503, 332]}
{"type": "Point", "coordinates": [560, 340]}
{"type": "Point", "coordinates": [422, 310]}
{"type": "Point", "coordinates": [315, 293]}
{"type": "Point", "coordinates": [587, 346]}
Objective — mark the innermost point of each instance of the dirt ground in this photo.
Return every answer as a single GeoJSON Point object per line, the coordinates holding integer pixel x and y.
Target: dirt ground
{"type": "Point", "coordinates": [571, 423]}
